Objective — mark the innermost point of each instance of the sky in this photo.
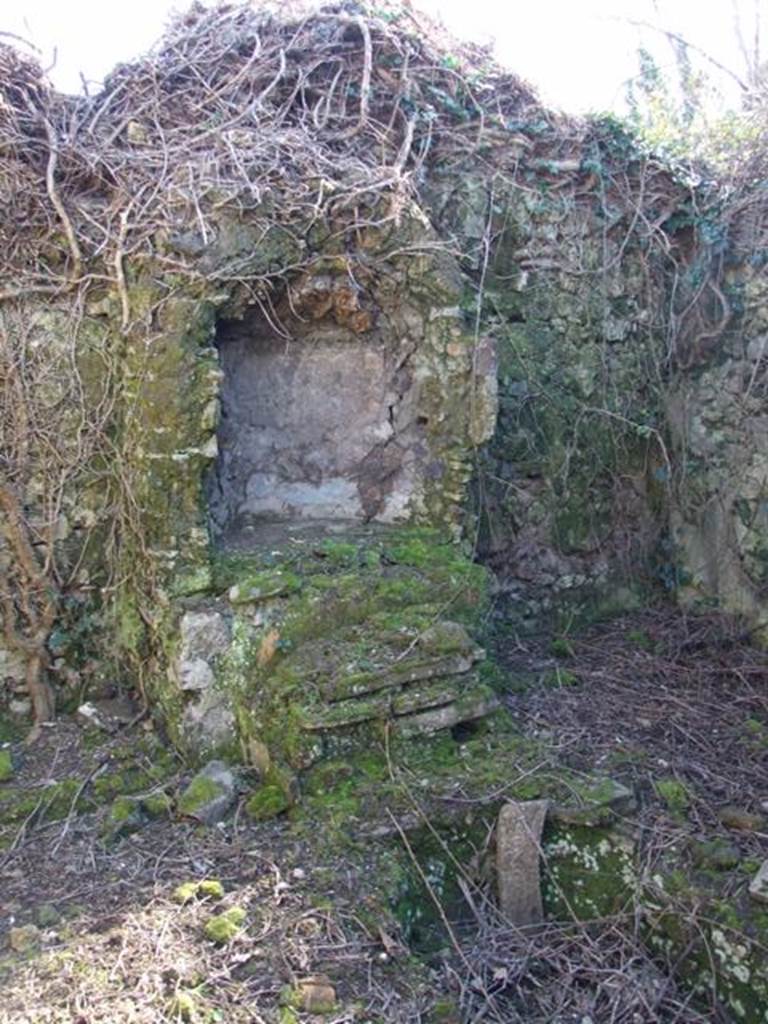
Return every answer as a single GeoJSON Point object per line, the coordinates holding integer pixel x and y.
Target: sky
{"type": "Point", "coordinates": [578, 54]}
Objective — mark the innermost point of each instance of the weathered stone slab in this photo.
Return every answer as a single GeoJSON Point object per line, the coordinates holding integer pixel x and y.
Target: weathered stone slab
{"type": "Point", "coordinates": [518, 853]}
{"type": "Point", "coordinates": [600, 800]}
{"type": "Point", "coordinates": [472, 705]}
{"type": "Point", "coordinates": [108, 715]}
{"type": "Point", "coordinates": [203, 634]}
{"type": "Point", "coordinates": [429, 695]}
{"type": "Point", "coordinates": [410, 670]}
{"type": "Point", "coordinates": [348, 712]}
{"type": "Point", "coordinates": [209, 724]}
{"type": "Point", "coordinates": [446, 637]}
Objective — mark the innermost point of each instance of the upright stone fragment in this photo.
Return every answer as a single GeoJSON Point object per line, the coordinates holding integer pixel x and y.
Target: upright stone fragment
{"type": "Point", "coordinates": [518, 849]}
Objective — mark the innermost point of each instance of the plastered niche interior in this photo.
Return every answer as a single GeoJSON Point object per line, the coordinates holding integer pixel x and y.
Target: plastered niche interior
{"type": "Point", "coordinates": [317, 425]}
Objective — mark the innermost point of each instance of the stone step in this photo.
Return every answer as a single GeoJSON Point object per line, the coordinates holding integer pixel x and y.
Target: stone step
{"type": "Point", "coordinates": [438, 705]}
{"type": "Point", "coordinates": [410, 670]}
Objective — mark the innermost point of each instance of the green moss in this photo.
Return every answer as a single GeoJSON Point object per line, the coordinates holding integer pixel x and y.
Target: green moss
{"type": "Point", "coordinates": [123, 810]}
{"type": "Point", "coordinates": [722, 948]}
{"type": "Point", "coordinates": [183, 1006]}
{"type": "Point", "coordinates": [267, 802]}
{"type": "Point", "coordinates": [210, 888]}
{"type": "Point", "coordinates": [157, 805]}
{"type": "Point", "coordinates": [126, 774]}
{"type": "Point", "coordinates": [265, 585]}
{"type": "Point", "coordinates": [558, 678]}
{"type": "Point", "coordinates": [6, 764]}
{"type": "Point", "coordinates": [443, 856]}
{"type": "Point", "coordinates": [561, 647]}
{"type": "Point", "coordinates": [126, 815]}
{"type": "Point", "coordinates": [339, 552]}
{"type": "Point", "coordinates": [342, 619]}
{"type": "Point", "coordinates": [129, 628]}
{"type": "Point", "coordinates": [12, 728]}
{"type": "Point", "coordinates": [640, 639]}
{"type": "Point", "coordinates": [50, 803]}
{"type": "Point", "coordinates": [413, 548]}
{"type": "Point", "coordinates": [402, 591]}
{"type": "Point", "coordinates": [108, 786]}
{"type": "Point", "coordinates": [198, 580]}
{"type": "Point", "coordinates": [673, 793]}
{"type": "Point", "coordinates": [750, 866]}
{"type": "Point", "coordinates": [24, 939]}
{"type": "Point", "coordinates": [445, 1011]}
{"type": "Point", "coordinates": [717, 854]}
{"type": "Point", "coordinates": [222, 928]}
{"type": "Point", "coordinates": [600, 801]}
{"type": "Point", "coordinates": [60, 799]}
{"type": "Point", "coordinates": [199, 792]}
{"type": "Point", "coordinates": [589, 872]}
{"type": "Point", "coordinates": [369, 784]}
{"type": "Point", "coordinates": [185, 892]}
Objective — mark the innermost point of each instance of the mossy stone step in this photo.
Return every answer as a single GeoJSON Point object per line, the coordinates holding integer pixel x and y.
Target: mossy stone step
{"type": "Point", "coordinates": [409, 670]}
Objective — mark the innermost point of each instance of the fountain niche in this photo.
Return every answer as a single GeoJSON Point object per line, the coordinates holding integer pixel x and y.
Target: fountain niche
{"type": "Point", "coordinates": [344, 443]}
{"type": "Point", "coordinates": [319, 424]}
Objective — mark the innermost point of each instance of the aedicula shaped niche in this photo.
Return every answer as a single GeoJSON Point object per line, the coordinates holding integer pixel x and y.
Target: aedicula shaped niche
{"type": "Point", "coordinates": [337, 412]}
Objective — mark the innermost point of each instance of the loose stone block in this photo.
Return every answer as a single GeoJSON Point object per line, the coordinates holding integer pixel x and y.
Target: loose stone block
{"type": "Point", "coordinates": [209, 795]}
{"type": "Point", "coordinates": [518, 848]}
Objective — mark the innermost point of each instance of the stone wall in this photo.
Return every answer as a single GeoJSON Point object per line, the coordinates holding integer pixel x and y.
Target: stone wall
{"type": "Point", "coordinates": [58, 365]}
{"type": "Point", "coordinates": [717, 418]}
{"type": "Point", "coordinates": [612, 474]}
{"type": "Point", "coordinates": [572, 494]}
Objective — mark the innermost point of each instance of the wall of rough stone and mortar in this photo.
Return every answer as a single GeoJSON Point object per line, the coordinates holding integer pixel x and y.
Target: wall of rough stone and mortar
{"type": "Point", "coordinates": [627, 461]}
{"type": "Point", "coordinates": [717, 419]}
{"type": "Point", "coordinates": [572, 493]}
{"type": "Point", "coordinates": [60, 363]}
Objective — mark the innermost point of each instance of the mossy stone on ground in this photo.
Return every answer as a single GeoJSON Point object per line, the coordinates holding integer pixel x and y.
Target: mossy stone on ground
{"type": "Point", "coordinates": [314, 995]}
{"type": "Point", "coordinates": [25, 938]}
{"type": "Point", "coordinates": [209, 795]}
{"type": "Point", "coordinates": [717, 854]}
{"type": "Point", "coordinates": [183, 1006]}
{"type": "Point", "coordinates": [157, 805]}
{"type": "Point", "coordinates": [124, 817]}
